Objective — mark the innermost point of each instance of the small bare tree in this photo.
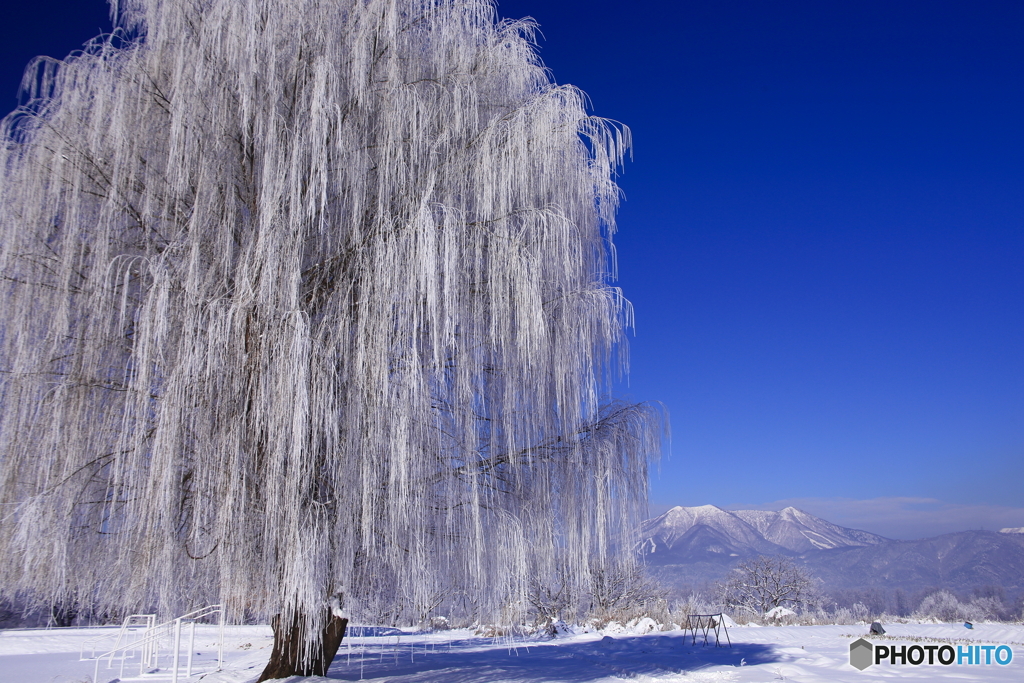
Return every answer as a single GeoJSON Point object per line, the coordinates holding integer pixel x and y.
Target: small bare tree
{"type": "Point", "coordinates": [554, 599]}
{"type": "Point", "coordinates": [766, 582]}
{"type": "Point", "coordinates": [616, 591]}
{"type": "Point", "coordinates": [617, 587]}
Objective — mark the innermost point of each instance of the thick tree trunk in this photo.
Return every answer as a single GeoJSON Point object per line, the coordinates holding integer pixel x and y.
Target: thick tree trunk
{"type": "Point", "coordinates": [286, 658]}
{"type": "Point", "coordinates": [64, 614]}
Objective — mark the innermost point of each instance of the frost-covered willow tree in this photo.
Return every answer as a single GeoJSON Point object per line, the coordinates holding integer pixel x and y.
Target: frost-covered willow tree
{"type": "Point", "coordinates": [307, 298]}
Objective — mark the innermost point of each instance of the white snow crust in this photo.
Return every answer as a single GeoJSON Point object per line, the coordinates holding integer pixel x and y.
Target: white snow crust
{"type": "Point", "coordinates": [809, 654]}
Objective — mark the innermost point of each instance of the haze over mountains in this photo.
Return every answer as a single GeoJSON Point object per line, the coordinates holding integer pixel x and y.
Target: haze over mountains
{"type": "Point", "coordinates": [694, 546]}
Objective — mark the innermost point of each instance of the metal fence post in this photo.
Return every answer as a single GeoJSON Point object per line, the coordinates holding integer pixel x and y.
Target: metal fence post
{"type": "Point", "coordinates": [191, 649]}
{"type": "Point", "coordinates": [220, 649]}
{"type": "Point", "coordinates": [177, 649]}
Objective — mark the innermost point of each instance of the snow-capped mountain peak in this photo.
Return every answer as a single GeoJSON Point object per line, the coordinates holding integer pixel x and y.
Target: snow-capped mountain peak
{"type": "Point", "coordinates": [685, 534]}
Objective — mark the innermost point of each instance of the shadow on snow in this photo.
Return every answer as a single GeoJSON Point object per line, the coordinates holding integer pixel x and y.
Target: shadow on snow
{"type": "Point", "coordinates": [485, 661]}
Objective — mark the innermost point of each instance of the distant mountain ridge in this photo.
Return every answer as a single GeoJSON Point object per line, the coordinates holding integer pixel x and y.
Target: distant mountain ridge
{"type": "Point", "coordinates": [959, 561]}
{"type": "Point", "coordinates": [694, 546]}
{"type": "Point", "coordinates": [709, 533]}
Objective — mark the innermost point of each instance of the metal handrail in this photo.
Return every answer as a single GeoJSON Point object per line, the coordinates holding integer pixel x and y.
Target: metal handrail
{"type": "Point", "coordinates": [149, 641]}
{"type": "Point", "coordinates": [91, 643]}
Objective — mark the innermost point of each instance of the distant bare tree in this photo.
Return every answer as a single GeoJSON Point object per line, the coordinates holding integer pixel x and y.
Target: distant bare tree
{"type": "Point", "coordinates": [554, 599]}
{"type": "Point", "coordinates": [616, 586]}
{"type": "Point", "coordinates": [618, 591]}
{"type": "Point", "coordinates": [766, 582]}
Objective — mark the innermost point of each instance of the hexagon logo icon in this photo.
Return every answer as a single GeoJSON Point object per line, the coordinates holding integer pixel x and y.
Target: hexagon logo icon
{"type": "Point", "coordinates": [862, 652]}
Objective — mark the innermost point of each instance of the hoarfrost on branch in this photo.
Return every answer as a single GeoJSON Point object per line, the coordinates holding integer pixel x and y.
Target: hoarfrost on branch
{"type": "Point", "coordinates": [305, 298]}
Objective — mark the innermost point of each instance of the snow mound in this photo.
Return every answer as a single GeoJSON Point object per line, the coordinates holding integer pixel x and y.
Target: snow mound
{"type": "Point", "coordinates": [779, 613]}
{"type": "Point", "coordinates": [642, 626]}
{"type": "Point", "coordinates": [729, 623]}
{"type": "Point", "coordinates": [613, 628]}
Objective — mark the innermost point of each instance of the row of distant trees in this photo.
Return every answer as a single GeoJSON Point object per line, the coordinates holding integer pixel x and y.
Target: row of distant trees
{"type": "Point", "coordinates": [763, 584]}
{"type": "Point", "coordinates": [981, 603]}
{"type": "Point", "coordinates": [765, 589]}
{"type": "Point", "coordinates": [624, 592]}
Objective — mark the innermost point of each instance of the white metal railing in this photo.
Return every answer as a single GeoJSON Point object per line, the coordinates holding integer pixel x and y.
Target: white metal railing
{"type": "Point", "coordinates": [148, 646]}
{"type": "Point", "coordinates": [130, 627]}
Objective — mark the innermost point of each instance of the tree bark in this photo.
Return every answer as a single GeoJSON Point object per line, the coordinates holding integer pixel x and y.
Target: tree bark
{"type": "Point", "coordinates": [64, 614]}
{"type": "Point", "coordinates": [286, 658]}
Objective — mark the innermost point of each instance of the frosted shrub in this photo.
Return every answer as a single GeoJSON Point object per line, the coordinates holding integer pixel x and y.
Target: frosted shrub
{"type": "Point", "coordinates": [816, 614]}
{"type": "Point", "coordinates": [891, 619]}
{"type": "Point", "coordinates": [553, 601]}
{"type": "Point", "coordinates": [859, 612]}
{"type": "Point", "coordinates": [843, 615]}
{"type": "Point", "coordinates": [983, 609]}
{"type": "Point", "coordinates": [643, 625]}
{"type": "Point", "coordinates": [941, 606]}
{"type": "Point", "coordinates": [698, 603]}
{"type": "Point", "coordinates": [623, 592]}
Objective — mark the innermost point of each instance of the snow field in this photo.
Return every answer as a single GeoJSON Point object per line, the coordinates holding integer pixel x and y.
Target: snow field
{"type": "Point", "coordinates": [807, 654]}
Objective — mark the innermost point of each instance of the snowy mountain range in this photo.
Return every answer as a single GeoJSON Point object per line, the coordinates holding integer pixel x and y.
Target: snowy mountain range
{"type": "Point", "coordinates": [960, 561]}
{"type": "Point", "coordinates": [694, 546]}
{"type": "Point", "coordinates": [709, 533]}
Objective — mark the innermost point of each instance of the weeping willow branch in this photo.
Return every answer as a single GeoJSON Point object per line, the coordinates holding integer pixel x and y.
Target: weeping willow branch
{"type": "Point", "coordinates": [309, 297]}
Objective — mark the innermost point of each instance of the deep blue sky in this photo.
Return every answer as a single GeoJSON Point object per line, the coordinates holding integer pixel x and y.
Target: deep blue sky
{"type": "Point", "coordinates": [823, 239]}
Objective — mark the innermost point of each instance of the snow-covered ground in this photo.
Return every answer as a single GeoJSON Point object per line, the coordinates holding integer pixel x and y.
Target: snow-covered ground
{"type": "Point", "coordinates": [818, 654]}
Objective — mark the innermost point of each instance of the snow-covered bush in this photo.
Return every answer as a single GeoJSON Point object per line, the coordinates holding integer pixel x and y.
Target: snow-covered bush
{"type": "Point", "coordinates": [626, 594]}
{"type": "Point", "coordinates": [695, 603]}
{"type": "Point", "coordinates": [439, 624]}
{"type": "Point", "coordinates": [643, 625]}
{"type": "Point", "coordinates": [944, 606]}
{"type": "Point", "coordinates": [554, 600]}
{"type": "Point", "coordinates": [780, 616]}
{"type": "Point", "coordinates": [860, 612]}
{"type": "Point", "coordinates": [983, 609]}
{"type": "Point", "coordinates": [941, 606]}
